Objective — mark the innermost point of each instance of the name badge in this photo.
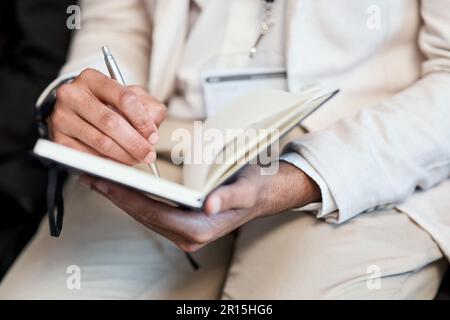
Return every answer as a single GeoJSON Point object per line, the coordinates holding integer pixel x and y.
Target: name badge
{"type": "Point", "coordinates": [221, 87]}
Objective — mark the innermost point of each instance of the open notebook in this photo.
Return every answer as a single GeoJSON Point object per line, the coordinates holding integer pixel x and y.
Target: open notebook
{"type": "Point", "coordinates": [270, 113]}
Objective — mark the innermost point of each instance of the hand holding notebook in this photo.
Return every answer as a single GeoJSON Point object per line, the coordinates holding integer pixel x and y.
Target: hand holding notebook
{"type": "Point", "coordinates": [272, 111]}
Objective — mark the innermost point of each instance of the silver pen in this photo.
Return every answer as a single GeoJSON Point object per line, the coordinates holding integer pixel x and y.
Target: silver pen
{"type": "Point", "coordinates": [115, 74]}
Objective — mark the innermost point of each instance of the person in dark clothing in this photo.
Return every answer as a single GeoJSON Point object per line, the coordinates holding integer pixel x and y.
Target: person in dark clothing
{"type": "Point", "coordinates": [33, 44]}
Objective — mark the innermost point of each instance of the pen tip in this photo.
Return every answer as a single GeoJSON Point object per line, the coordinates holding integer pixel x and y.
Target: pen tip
{"type": "Point", "coordinates": [106, 51]}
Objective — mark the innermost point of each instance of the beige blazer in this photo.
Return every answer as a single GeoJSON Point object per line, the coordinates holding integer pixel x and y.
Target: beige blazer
{"type": "Point", "coordinates": [384, 141]}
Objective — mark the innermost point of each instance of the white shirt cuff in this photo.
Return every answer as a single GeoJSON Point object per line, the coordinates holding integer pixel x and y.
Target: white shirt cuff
{"type": "Point", "coordinates": [327, 209]}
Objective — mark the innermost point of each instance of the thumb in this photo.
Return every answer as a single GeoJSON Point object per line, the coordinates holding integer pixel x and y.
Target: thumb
{"type": "Point", "coordinates": [239, 195]}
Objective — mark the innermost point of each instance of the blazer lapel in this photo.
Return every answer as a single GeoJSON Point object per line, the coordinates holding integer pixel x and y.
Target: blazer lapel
{"type": "Point", "coordinates": [170, 23]}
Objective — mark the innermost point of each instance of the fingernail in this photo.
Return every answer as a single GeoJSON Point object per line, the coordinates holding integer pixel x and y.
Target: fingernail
{"type": "Point", "coordinates": [216, 205]}
{"type": "Point", "coordinates": [103, 188]}
{"type": "Point", "coordinates": [150, 158]}
{"type": "Point", "coordinates": [154, 138]}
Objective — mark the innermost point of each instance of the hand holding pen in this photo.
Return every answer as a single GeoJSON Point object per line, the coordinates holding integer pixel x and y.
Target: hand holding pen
{"type": "Point", "coordinates": [97, 115]}
{"type": "Point", "coordinates": [115, 74]}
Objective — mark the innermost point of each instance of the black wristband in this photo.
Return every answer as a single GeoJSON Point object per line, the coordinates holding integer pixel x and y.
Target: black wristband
{"type": "Point", "coordinates": [45, 109]}
{"type": "Point", "coordinates": [56, 175]}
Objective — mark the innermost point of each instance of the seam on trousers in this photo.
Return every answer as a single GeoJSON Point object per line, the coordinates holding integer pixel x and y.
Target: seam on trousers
{"type": "Point", "coordinates": [400, 295]}
{"type": "Point", "coordinates": [424, 230]}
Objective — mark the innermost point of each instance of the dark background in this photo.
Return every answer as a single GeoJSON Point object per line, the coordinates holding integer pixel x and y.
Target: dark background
{"type": "Point", "coordinates": [33, 44]}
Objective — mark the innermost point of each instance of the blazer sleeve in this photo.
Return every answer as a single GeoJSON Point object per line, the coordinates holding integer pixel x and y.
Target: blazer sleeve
{"type": "Point", "coordinates": [123, 25]}
{"type": "Point", "coordinates": [385, 153]}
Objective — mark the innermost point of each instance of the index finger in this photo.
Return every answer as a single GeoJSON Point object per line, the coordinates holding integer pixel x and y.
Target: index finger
{"type": "Point", "coordinates": [122, 98]}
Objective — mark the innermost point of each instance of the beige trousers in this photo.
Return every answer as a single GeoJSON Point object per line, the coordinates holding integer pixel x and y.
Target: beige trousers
{"type": "Point", "coordinates": [105, 254]}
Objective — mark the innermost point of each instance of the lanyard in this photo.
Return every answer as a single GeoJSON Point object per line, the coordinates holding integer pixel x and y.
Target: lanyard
{"type": "Point", "coordinates": [266, 23]}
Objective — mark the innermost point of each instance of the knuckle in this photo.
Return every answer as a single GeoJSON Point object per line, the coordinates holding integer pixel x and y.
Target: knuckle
{"type": "Point", "coordinates": [157, 111]}
{"type": "Point", "coordinates": [145, 126]}
{"type": "Point", "coordinates": [87, 74]}
{"type": "Point", "coordinates": [125, 95]}
{"type": "Point", "coordinates": [64, 92]}
{"type": "Point", "coordinates": [109, 121]}
{"type": "Point", "coordinates": [102, 143]}
{"type": "Point", "coordinates": [162, 109]}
